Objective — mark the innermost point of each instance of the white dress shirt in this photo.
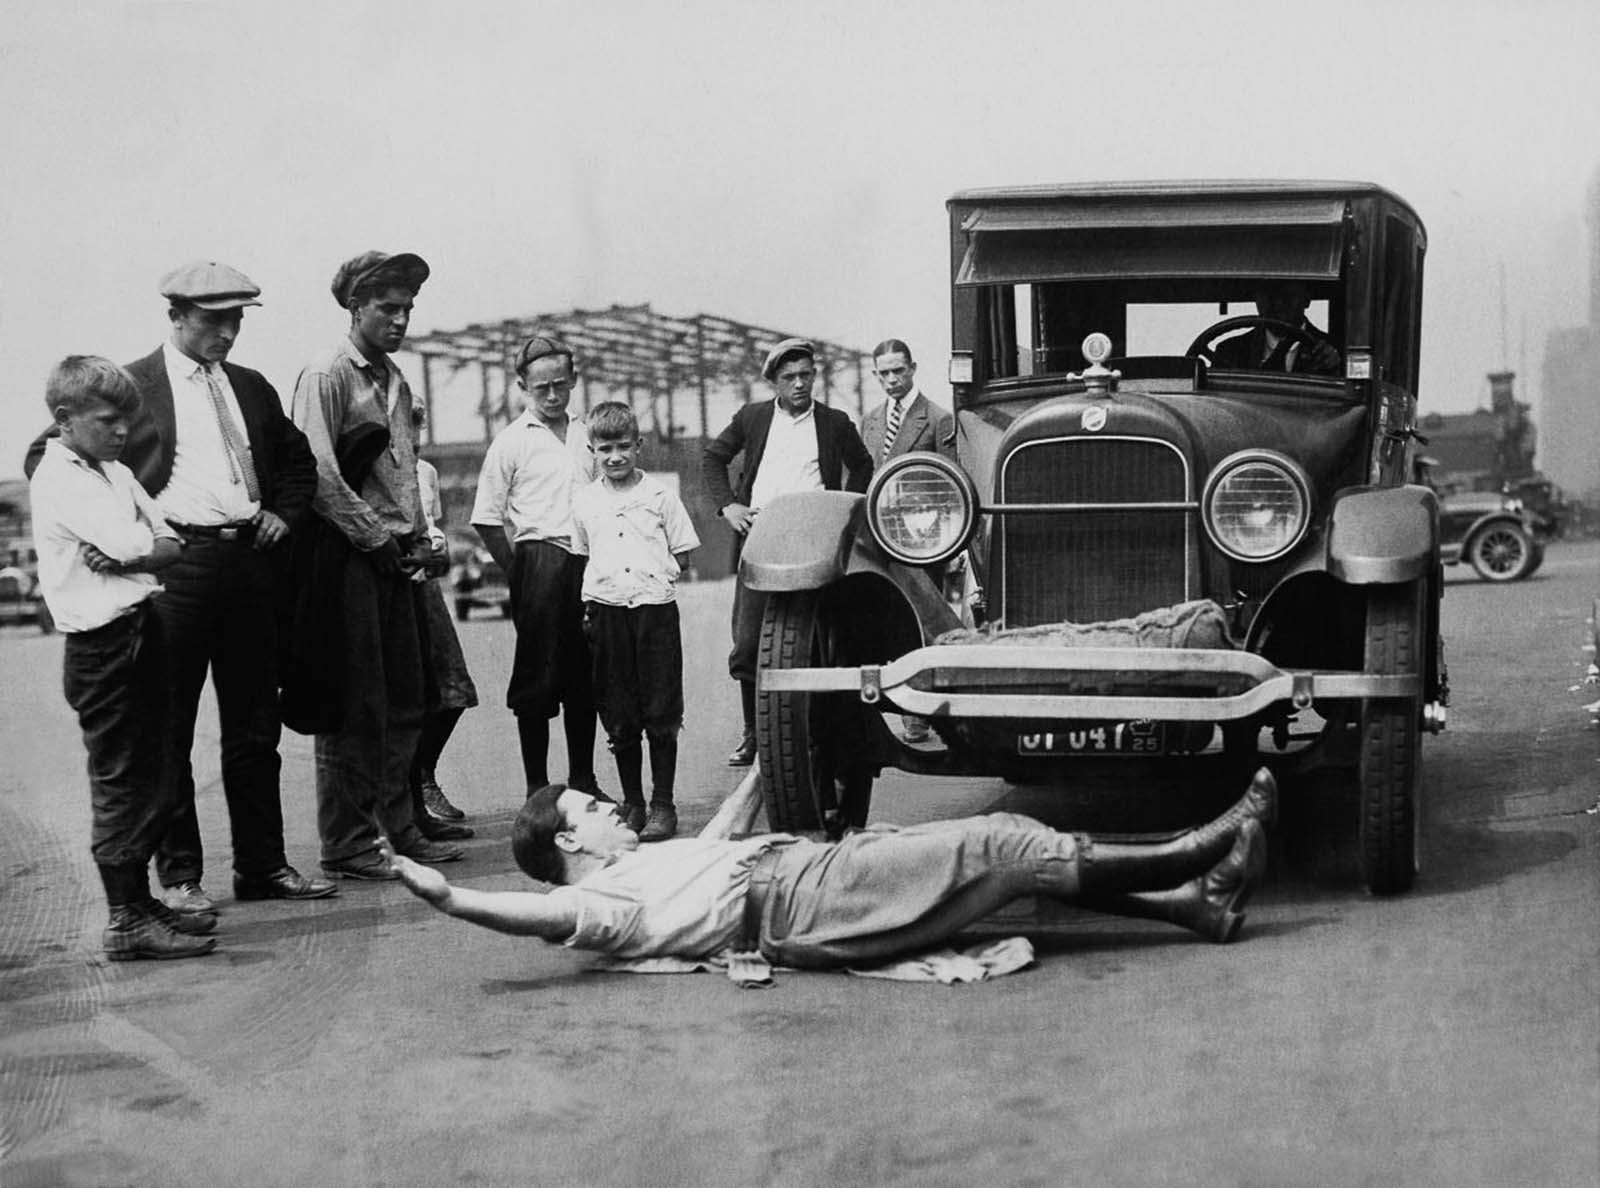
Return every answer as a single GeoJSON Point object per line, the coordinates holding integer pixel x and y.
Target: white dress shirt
{"type": "Point", "coordinates": [75, 504]}
{"type": "Point", "coordinates": [789, 462]}
{"type": "Point", "coordinates": [202, 489]}
{"type": "Point", "coordinates": [529, 477]}
{"type": "Point", "coordinates": [631, 538]}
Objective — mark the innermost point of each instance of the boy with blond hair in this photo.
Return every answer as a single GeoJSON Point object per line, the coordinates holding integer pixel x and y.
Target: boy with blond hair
{"type": "Point", "coordinates": [100, 539]}
{"type": "Point", "coordinates": [636, 534]}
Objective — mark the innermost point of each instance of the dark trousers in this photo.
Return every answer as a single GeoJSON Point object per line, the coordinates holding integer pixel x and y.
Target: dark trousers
{"type": "Point", "coordinates": [218, 613]}
{"type": "Point", "coordinates": [638, 684]}
{"type": "Point", "coordinates": [550, 669]}
{"type": "Point", "coordinates": [362, 768]}
{"type": "Point", "coordinates": [113, 677]}
{"type": "Point", "coordinates": [748, 607]}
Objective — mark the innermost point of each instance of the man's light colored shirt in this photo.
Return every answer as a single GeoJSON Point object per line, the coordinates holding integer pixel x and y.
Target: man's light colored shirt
{"type": "Point", "coordinates": [683, 897]}
{"type": "Point", "coordinates": [789, 461]}
{"type": "Point", "coordinates": [529, 478]}
{"type": "Point", "coordinates": [338, 391]}
{"type": "Point", "coordinates": [74, 504]}
{"type": "Point", "coordinates": [202, 489]}
{"type": "Point", "coordinates": [630, 537]}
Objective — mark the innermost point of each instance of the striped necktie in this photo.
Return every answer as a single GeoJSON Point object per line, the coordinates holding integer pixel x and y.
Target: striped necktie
{"type": "Point", "coordinates": [891, 426]}
{"type": "Point", "coordinates": [240, 465]}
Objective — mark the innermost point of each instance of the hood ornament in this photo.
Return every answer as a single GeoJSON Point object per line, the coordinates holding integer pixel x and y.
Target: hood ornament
{"type": "Point", "coordinates": [1099, 381]}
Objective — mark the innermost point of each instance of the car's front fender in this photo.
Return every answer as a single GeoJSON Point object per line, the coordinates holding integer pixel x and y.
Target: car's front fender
{"type": "Point", "coordinates": [802, 541]}
{"type": "Point", "coordinates": [1383, 534]}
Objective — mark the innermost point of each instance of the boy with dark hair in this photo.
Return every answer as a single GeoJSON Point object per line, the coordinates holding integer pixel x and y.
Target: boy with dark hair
{"type": "Point", "coordinates": [100, 539]}
{"type": "Point", "coordinates": [636, 534]}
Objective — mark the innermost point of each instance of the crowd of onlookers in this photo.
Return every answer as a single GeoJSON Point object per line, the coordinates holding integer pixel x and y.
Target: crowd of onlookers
{"type": "Point", "coordinates": [187, 524]}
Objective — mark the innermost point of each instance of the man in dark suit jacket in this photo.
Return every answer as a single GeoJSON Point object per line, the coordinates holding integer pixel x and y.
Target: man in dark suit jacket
{"type": "Point", "coordinates": [815, 448]}
{"type": "Point", "coordinates": [923, 425]}
{"type": "Point", "coordinates": [213, 446]}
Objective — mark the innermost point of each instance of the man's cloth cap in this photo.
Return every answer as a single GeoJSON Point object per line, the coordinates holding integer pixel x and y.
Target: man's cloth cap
{"type": "Point", "coordinates": [210, 285]}
{"type": "Point", "coordinates": [541, 347]}
{"type": "Point", "coordinates": [789, 346]}
{"type": "Point", "coordinates": [406, 269]}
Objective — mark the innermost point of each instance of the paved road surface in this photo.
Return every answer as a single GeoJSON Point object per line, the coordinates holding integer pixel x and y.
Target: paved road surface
{"type": "Point", "coordinates": [1449, 1037]}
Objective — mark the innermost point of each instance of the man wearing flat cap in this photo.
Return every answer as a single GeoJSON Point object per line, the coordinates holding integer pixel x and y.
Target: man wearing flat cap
{"type": "Point", "coordinates": [355, 390]}
{"type": "Point", "coordinates": [234, 477]}
{"type": "Point", "coordinates": [790, 443]}
{"type": "Point", "coordinates": [523, 512]}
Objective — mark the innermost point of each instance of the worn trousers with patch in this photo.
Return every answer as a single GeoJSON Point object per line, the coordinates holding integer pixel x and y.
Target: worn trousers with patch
{"type": "Point", "coordinates": [363, 767]}
{"type": "Point", "coordinates": [880, 894]}
{"type": "Point", "coordinates": [113, 680]}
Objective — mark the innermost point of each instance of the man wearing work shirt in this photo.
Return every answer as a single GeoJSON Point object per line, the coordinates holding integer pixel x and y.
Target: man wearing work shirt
{"type": "Point", "coordinates": [523, 512]}
{"type": "Point", "coordinates": [363, 767]}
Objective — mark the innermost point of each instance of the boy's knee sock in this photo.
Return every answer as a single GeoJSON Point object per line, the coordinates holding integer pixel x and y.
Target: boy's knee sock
{"type": "Point", "coordinates": [533, 735]}
{"type": "Point", "coordinates": [663, 766]}
{"type": "Point", "coordinates": [630, 770]}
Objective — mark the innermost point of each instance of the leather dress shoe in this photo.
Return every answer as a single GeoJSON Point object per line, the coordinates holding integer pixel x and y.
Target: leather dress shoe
{"type": "Point", "coordinates": [437, 804]}
{"type": "Point", "coordinates": [663, 823]}
{"type": "Point", "coordinates": [1213, 905]}
{"type": "Point", "coordinates": [188, 923]}
{"type": "Point", "coordinates": [187, 898]}
{"type": "Point", "coordinates": [633, 815]}
{"type": "Point", "coordinates": [284, 883]}
{"type": "Point", "coordinates": [745, 753]}
{"type": "Point", "coordinates": [436, 830]}
{"type": "Point", "coordinates": [136, 933]}
{"type": "Point", "coordinates": [423, 850]}
{"type": "Point", "coordinates": [370, 868]}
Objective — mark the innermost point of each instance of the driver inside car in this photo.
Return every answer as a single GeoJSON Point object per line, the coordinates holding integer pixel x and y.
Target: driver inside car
{"type": "Point", "coordinates": [1271, 348]}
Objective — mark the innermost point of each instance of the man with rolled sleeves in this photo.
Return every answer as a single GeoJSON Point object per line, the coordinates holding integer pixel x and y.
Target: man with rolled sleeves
{"type": "Point", "coordinates": [789, 443]}
{"type": "Point", "coordinates": [234, 477]}
{"type": "Point", "coordinates": [354, 389]}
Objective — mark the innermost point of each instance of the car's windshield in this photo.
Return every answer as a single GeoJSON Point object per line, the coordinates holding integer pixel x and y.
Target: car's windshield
{"type": "Point", "coordinates": [1272, 325]}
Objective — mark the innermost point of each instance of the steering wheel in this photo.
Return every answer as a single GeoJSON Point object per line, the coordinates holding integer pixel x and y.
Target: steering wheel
{"type": "Point", "coordinates": [1201, 347]}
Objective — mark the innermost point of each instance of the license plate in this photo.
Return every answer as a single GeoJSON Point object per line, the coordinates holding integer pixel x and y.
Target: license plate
{"type": "Point", "coordinates": [1138, 737]}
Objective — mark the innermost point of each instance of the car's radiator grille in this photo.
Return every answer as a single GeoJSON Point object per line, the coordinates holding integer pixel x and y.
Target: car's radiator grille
{"type": "Point", "coordinates": [1088, 566]}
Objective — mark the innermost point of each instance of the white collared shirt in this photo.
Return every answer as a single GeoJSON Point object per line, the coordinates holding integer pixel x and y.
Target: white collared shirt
{"type": "Point", "coordinates": [631, 538]}
{"type": "Point", "coordinates": [529, 477]}
{"type": "Point", "coordinates": [789, 461]}
{"type": "Point", "coordinates": [202, 489]}
{"type": "Point", "coordinates": [75, 504]}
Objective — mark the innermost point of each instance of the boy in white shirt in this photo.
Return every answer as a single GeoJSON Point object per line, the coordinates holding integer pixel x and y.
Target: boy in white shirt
{"type": "Point", "coordinates": [100, 539]}
{"type": "Point", "coordinates": [636, 534]}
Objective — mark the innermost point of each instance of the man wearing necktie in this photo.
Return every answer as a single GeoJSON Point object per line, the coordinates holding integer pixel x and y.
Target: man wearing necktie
{"type": "Point", "coordinates": [230, 472]}
{"type": "Point", "coordinates": [907, 420]}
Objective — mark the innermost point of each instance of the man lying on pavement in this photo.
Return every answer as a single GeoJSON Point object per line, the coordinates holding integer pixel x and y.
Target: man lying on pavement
{"type": "Point", "coordinates": [875, 895]}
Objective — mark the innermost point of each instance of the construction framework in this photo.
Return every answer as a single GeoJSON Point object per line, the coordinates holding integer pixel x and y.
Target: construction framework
{"type": "Point", "coordinates": [653, 361]}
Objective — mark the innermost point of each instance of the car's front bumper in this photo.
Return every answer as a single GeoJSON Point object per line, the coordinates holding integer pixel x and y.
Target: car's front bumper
{"type": "Point", "coordinates": [1006, 681]}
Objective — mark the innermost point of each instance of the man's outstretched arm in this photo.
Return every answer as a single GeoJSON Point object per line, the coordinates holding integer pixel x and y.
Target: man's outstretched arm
{"type": "Point", "coordinates": [520, 913]}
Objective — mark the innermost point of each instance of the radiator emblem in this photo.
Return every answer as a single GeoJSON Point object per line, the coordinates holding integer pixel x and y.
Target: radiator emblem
{"type": "Point", "coordinates": [1094, 418]}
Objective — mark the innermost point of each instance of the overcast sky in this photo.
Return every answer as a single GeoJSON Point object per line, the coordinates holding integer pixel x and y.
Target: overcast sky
{"type": "Point", "coordinates": [784, 164]}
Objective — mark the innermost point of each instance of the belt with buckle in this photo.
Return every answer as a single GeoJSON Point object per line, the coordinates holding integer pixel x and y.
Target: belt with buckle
{"type": "Point", "coordinates": [238, 530]}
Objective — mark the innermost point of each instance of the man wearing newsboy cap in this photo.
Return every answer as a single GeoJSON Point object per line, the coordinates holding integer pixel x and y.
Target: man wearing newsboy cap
{"type": "Point", "coordinates": [353, 389]}
{"type": "Point", "coordinates": [789, 443]}
{"type": "Point", "coordinates": [234, 476]}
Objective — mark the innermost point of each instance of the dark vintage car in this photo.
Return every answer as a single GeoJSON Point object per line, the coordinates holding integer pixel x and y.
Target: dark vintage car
{"type": "Point", "coordinates": [1121, 464]}
{"type": "Point", "coordinates": [1492, 532]}
{"type": "Point", "coordinates": [476, 579]}
{"type": "Point", "coordinates": [20, 598]}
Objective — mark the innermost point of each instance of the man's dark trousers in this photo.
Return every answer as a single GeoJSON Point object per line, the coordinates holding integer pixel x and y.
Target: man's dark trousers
{"type": "Point", "coordinates": [217, 612]}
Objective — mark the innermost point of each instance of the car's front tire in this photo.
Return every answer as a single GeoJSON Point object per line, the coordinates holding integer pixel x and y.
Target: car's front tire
{"type": "Point", "coordinates": [802, 739]}
{"type": "Point", "coordinates": [1390, 764]}
{"type": "Point", "coordinates": [1503, 552]}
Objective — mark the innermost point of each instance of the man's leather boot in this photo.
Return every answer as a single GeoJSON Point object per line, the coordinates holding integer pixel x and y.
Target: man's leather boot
{"type": "Point", "coordinates": [136, 933]}
{"type": "Point", "coordinates": [1213, 904]}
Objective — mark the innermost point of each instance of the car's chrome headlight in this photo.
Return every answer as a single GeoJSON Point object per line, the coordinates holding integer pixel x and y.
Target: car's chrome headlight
{"type": "Point", "coordinates": [1257, 505]}
{"type": "Point", "coordinates": [922, 508]}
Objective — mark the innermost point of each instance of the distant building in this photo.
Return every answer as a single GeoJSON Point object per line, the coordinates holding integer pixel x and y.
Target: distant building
{"type": "Point", "coordinates": [1485, 449]}
{"type": "Point", "coordinates": [1571, 385]}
